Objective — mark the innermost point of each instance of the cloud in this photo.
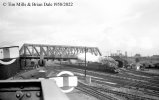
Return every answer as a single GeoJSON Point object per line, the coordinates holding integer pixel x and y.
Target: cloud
{"type": "Point", "coordinates": [107, 24]}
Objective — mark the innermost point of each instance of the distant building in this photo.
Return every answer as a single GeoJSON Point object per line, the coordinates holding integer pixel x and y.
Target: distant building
{"type": "Point", "coordinates": [118, 53]}
{"type": "Point", "coordinates": [155, 56]}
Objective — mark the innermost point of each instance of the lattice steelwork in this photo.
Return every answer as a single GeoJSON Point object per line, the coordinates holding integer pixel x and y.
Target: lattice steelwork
{"type": "Point", "coordinates": [55, 51]}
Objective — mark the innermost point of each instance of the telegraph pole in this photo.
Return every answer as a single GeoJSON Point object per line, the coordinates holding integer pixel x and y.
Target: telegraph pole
{"type": "Point", "coordinates": [85, 62]}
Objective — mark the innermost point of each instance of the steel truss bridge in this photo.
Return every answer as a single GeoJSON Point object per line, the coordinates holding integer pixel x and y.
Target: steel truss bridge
{"type": "Point", "coordinates": [35, 51]}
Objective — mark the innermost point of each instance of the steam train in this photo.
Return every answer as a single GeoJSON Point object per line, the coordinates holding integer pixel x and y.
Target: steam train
{"type": "Point", "coordinates": [96, 63]}
{"type": "Point", "coordinates": [109, 67]}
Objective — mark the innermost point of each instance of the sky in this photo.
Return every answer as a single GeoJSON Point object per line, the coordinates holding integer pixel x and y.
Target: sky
{"type": "Point", "coordinates": [110, 25]}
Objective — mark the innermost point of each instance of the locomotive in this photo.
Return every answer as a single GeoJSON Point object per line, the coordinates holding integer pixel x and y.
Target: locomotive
{"type": "Point", "coordinates": [96, 63]}
{"type": "Point", "coordinates": [95, 66]}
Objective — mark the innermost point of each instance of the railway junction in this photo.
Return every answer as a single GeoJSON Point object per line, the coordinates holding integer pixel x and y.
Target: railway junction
{"type": "Point", "coordinates": [127, 84]}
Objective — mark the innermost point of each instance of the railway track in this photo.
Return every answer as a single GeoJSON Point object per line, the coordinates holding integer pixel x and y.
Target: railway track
{"type": "Point", "coordinates": [143, 73]}
{"type": "Point", "coordinates": [124, 80]}
{"type": "Point", "coordinates": [100, 90]}
{"type": "Point", "coordinates": [125, 76]}
{"type": "Point", "coordinates": [129, 82]}
{"type": "Point", "coordinates": [139, 79]}
{"type": "Point", "coordinates": [130, 75]}
{"type": "Point", "coordinates": [145, 91]}
{"type": "Point", "coordinates": [126, 95]}
{"type": "Point", "coordinates": [93, 92]}
{"type": "Point", "coordinates": [137, 75]}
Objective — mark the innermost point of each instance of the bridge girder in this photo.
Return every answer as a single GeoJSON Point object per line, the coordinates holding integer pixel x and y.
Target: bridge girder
{"type": "Point", "coordinates": [55, 51]}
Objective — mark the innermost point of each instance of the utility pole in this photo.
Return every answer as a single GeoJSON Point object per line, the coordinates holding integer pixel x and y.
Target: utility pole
{"type": "Point", "coordinates": [85, 62]}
